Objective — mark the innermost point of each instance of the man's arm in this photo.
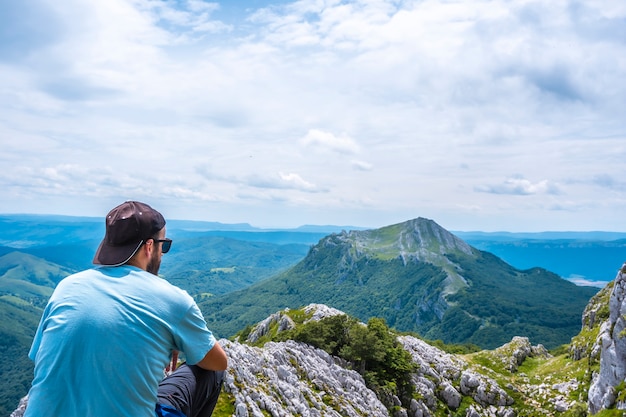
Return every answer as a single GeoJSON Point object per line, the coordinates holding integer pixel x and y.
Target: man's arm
{"type": "Point", "coordinates": [215, 359]}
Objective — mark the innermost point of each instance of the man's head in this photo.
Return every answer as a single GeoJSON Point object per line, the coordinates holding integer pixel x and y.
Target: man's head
{"type": "Point", "coordinates": [129, 226]}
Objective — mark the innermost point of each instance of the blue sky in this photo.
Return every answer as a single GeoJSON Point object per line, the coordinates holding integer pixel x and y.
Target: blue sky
{"type": "Point", "coordinates": [481, 115]}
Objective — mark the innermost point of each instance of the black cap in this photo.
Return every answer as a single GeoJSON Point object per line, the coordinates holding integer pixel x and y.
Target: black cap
{"type": "Point", "coordinates": [127, 227]}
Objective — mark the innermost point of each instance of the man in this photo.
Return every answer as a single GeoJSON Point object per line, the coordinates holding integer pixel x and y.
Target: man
{"type": "Point", "coordinates": [107, 334]}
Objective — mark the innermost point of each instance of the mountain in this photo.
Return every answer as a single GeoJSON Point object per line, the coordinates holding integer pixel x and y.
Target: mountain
{"type": "Point", "coordinates": [374, 273]}
{"type": "Point", "coordinates": [420, 278]}
{"type": "Point", "coordinates": [22, 231]}
{"type": "Point", "coordinates": [207, 257]}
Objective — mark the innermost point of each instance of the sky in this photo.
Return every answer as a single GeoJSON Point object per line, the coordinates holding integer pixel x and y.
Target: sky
{"type": "Point", "coordinates": [480, 115]}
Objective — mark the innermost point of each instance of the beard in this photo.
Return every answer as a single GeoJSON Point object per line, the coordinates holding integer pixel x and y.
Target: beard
{"type": "Point", "coordinates": [155, 263]}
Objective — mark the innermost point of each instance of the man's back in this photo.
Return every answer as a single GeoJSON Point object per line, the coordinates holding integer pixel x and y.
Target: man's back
{"type": "Point", "coordinates": [104, 340]}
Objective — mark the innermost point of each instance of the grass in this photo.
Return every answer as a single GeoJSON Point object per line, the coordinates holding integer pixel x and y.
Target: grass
{"type": "Point", "coordinates": [225, 406]}
{"type": "Point", "coordinates": [534, 372]}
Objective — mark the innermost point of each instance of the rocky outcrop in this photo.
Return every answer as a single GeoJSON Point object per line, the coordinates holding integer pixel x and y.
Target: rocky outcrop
{"type": "Point", "coordinates": [514, 353]}
{"type": "Point", "coordinates": [448, 378]}
{"type": "Point", "coordinates": [611, 345]}
{"type": "Point", "coordinates": [283, 322]}
{"type": "Point", "coordinates": [596, 312]}
{"type": "Point", "coordinates": [290, 378]}
{"type": "Point", "coordinates": [320, 311]}
{"type": "Point", "coordinates": [263, 328]}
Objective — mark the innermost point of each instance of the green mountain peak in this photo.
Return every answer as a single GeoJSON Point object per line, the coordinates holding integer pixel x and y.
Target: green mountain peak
{"type": "Point", "coordinates": [419, 238]}
{"type": "Point", "coordinates": [416, 240]}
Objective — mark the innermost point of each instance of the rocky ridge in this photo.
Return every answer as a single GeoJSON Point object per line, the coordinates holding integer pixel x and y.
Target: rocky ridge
{"type": "Point", "coordinates": [263, 378]}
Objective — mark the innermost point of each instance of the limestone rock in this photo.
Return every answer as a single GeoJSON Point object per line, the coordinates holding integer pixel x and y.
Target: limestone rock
{"type": "Point", "coordinates": [611, 343]}
{"type": "Point", "coordinates": [290, 378]}
{"type": "Point", "coordinates": [261, 329]}
{"type": "Point", "coordinates": [596, 312]}
{"type": "Point", "coordinates": [514, 353]}
{"type": "Point", "coordinates": [284, 322]}
{"type": "Point", "coordinates": [321, 311]}
{"type": "Point", "coordinates": [448, 378]}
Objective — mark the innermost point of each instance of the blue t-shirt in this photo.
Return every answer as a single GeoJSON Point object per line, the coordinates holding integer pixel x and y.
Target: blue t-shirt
{"type": "Point", "coordinates": [103, 342]}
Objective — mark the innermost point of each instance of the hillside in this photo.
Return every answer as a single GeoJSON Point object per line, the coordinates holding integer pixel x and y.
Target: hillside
{"type": "Point", "coordinates": [26, 282]}
{"type": "Point", "coordinates": [420, 278]}
{"type": "Point", "coordinates": [28, 276]}
{"type": "Point", "coordinates": [209, 265]}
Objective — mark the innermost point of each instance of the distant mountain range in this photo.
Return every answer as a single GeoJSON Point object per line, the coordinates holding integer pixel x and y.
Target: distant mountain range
{"type": "Point", "coordinates": [585, 258]}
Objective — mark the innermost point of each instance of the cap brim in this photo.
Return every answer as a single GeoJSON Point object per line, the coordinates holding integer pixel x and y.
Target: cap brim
{"type": "Point", "coordinates": [115, 255]}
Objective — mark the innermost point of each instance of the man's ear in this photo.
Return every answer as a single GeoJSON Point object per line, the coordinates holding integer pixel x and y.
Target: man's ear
{"type": "Point", "coordinates": [148, 247]}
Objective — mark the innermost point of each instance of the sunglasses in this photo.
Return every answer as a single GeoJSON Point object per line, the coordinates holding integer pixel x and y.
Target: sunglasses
{"type": "Point", "coordinates": [167, 244]}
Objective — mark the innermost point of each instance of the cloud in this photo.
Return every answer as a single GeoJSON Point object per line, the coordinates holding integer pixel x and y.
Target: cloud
{"type": "Point", "coordinates": [519, 186]}
{"type": "Point", "coordinates": [278, 181]}
{"type": "Point", "coordinates": [187, 18]}
{"type": "Point", "coordinates": [69, 179]}
{"type": "Point", "coordinates": [302, 102]}
{"type": "Point", "coordinates": [75, 89]}
{"type": "Point", "coordinates": [290, 181]}
{"type": "Point", "coordinates": [362, 165]}
{"type": "Point", "coordinates": [608, 181]}
{"type": "Point", "coordinates": [328, 141]}
{"type": "Point", "coordinates": [584, 282]}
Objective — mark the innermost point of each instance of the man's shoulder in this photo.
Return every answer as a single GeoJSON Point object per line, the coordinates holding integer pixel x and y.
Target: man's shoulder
{"type": "Point", "coordinates": [80, 275]}
{"type": "Point", "coordinates": [132, 277]}
{"type": "Point", "coordinates": [160, 284]}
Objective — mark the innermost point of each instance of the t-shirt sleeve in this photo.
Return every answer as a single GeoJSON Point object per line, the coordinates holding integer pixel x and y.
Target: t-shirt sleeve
{"type": "Point", "coordinates": [193, 337]}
